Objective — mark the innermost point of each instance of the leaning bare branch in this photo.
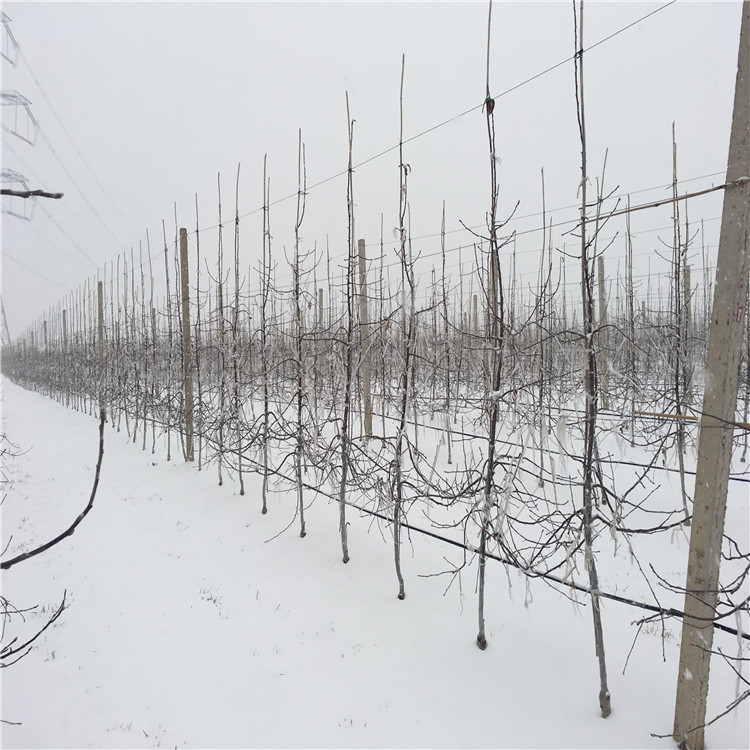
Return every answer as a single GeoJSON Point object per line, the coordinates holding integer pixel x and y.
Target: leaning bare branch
{"type": "Point", "coordinates": [7, 564]}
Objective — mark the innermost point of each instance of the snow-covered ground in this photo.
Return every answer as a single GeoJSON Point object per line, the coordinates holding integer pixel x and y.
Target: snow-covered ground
{"type": "Point", "coordinates": [193, 622]}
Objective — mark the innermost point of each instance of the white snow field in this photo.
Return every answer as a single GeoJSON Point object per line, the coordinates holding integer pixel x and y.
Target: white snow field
{"type": "Point", "coordinates": [187, 627]}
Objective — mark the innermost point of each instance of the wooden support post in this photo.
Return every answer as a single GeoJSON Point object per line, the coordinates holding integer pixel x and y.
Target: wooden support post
{"type": "Point", "coordinates": [688, 334]}
{"type": "Point", "coordinates": [100, 336]}
{"type": "Point", "coordinates": [604, 352]}
{"type": "Point", "coordinates": [719, 407]}
{"type": "Point", "coordinates": [187, 363]}
{"type": "Point", "coordinates": [364, 338]}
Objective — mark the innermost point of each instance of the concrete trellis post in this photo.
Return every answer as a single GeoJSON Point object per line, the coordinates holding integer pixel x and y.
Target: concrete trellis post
{"type": "Point", "coordinates": [718, 415]}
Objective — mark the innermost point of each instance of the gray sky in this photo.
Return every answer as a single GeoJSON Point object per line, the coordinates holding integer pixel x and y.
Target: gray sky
{"type": "Point", "coordinates": [158, 98]}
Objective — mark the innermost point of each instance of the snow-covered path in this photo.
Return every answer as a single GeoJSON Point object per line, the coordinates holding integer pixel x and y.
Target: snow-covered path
{"type": "Point", "coordinates": [187, 628]}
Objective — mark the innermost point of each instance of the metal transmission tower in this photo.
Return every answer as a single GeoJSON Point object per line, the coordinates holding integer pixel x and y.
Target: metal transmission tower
{"type": "Point", "coordinates": [10, 49]}
{"type": "Point", "coordinates": [4, 334]}
{"type": "Point", "coordinates": [14, 187]}
{"type": "Point", "coordinates": [22, 124]}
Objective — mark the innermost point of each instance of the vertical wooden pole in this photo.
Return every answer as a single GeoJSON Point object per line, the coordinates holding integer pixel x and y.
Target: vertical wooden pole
{"type": "Point", "coordinates": [45, 367]}
{"type": "Point", "coordinates": [198, 337]}
{"type": "Point", "coordinates": [631, 322]}
{"type": "Point", "coordinates": [364, 337]}
{"type": "Point", "coordinates": [187, 364]}
{"type": "Point", "coordinates": [236, 337]}
{"type": "Point", "coordinates": [688, 334]}
{"type": "Point", "coordinates": [604, 355]}
{"type": "Point", "coordinates": [100, 316]}
{"type": "Point", "coordinates": [718, 414]}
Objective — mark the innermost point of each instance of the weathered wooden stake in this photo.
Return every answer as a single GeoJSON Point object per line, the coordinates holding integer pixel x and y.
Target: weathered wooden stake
{"type": "Point", "coordinates": [688, 333]}
{"type": "Point", "coordinates": [604, 355]}
{"type": "Point", "coordinates": [100, 331]}
{"type": "Point", "coordinates": [364, 337]}
{"type": "Point", "coordinates": [187, 363]}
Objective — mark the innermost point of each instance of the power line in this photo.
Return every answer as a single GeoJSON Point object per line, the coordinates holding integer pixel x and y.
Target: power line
{"type": "Point", "coordinates": [57, 247]}
{"type": "Point", "coordinates": [76, 185]}
{"type": "Point", "coordinates": [386, 151]}
{"type": "Point", "coordinates": [72, 142]}
{"type": "Point", "coordinates": [28, 170]}
{"type": "Point", "coordinates": [500, 95]}
{"type": "Point", "coordinates": [452, 119]}
{"type": "Point", "coordinates": [67, 236]}
{"type": "Point", "coordinates": [17, 99]}
{"type": "Point", "coordinates": [31, 270]}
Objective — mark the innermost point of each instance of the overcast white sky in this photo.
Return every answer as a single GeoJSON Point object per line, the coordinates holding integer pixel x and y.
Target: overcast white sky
{"type": "Point", "coordinates": [158, 98]}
